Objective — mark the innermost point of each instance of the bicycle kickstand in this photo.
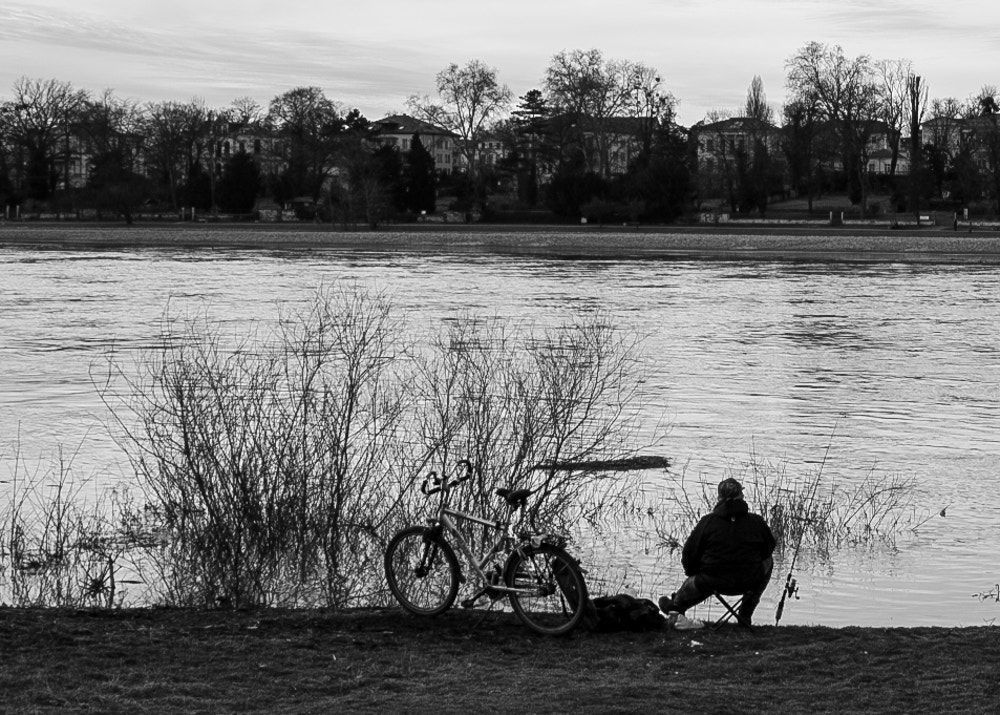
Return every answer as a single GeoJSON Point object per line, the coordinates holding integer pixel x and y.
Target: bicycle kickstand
{"type": "Point", "coordinates": [471, 602]}
{"type": "Point", "coordinates": [485, 590]}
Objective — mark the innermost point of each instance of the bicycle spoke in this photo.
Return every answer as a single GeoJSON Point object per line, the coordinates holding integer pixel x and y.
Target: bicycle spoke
{"type": "Point", "coordinates": [422, 572]}
{"type": "Point", "coordinates": [553, 594]}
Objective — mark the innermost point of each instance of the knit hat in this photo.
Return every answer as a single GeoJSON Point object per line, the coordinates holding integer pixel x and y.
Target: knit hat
{"type": "Point", "coordinates": [730, 490]}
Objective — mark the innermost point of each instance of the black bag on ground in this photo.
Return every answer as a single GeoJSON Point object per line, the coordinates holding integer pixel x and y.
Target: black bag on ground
{"type": "Point", "coordinates": [624, 613]}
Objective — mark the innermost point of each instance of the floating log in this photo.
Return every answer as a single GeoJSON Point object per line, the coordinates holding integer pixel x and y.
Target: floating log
{"type": "Point", "coordinates": [627, 464]}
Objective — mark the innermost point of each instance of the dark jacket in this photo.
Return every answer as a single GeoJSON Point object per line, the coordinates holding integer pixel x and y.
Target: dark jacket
{"type": "Point", "coordinates": [728, 546]}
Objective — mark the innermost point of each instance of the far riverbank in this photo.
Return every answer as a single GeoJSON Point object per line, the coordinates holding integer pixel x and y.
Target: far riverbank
{"type": "Point", "coordinates": [730, 242]}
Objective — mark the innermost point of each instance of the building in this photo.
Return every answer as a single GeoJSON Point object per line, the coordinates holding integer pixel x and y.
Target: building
{"type": "Point", "coordinates": [721, 142]}
{"type": "Point", "coordinates": [398, 129]}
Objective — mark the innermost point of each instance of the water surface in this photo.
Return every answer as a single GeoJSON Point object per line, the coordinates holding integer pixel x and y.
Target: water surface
{"type": "Point", "coordinates": [887, 367]}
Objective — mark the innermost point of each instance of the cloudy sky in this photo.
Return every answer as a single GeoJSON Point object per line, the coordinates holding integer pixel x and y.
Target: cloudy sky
{"type": "Point", "coordinates": [372, 55]}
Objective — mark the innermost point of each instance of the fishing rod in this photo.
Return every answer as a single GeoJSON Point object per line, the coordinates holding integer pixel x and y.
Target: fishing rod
{"type": "Point", "coordinates": [791, 584]}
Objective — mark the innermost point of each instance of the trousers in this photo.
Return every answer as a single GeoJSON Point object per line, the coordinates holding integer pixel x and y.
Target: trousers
{"type": "Point", "coordinates": [697, 588]}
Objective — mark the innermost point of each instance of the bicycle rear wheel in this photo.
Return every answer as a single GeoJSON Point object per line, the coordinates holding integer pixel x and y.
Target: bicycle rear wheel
{"type": "Point", "coordinates": [422, 571]}
{"type": "Point", "coordinates": [556, 593]}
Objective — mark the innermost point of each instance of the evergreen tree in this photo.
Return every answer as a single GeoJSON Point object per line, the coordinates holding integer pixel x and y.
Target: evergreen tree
{"type": "Point", "coordinates": [420, 177]}
{"type": "Point", "coordinates": [530, 125]}
{"type": "Point", "coordinates": [240, 184]}
{"type": "Point", "coordinates": [197, 192]}
{"type": "Point", "coordinates": [660, 181]}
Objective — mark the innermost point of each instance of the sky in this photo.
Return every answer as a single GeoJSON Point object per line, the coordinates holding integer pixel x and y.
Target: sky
{"type": "Point", "coordinates": [372, 56]}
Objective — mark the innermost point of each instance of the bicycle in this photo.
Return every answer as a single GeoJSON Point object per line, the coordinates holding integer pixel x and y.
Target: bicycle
{"type": "Point", "coordinates": [544, 584]}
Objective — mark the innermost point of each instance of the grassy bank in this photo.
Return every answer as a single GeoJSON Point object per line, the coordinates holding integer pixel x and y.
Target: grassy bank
{"type": "Point", "coordinates": [383, 661]}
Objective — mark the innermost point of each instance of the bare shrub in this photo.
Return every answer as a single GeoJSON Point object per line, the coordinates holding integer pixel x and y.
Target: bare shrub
{"type": "Point", "coordinates": [277, 464]}
{"type": "Point", "coordinates": [538, 409]}
{"type": "Point", "coordinates": [270, 461]}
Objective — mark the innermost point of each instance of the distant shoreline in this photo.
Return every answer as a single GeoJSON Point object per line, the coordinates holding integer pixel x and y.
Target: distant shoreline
{"type": "Point", "coordinates": [730, 241]}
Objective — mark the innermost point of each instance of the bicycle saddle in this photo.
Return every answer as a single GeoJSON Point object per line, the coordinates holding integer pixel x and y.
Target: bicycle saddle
{"type": "Point", "coordinates": [515, 497]}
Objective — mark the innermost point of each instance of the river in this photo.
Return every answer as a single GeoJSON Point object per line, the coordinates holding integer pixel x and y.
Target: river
{"type": "Point", "coordinates": [884, 368]}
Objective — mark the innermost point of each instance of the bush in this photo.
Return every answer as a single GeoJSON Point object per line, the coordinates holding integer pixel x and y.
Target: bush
{"type": "Point", "coordinates": [278, 465]}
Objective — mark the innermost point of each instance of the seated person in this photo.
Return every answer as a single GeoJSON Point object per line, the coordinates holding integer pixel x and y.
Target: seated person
{"type": "Point", "coordinates": [729, 551]}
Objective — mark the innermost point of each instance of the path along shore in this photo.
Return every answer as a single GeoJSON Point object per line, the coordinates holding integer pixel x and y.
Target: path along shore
{"type": "Point", "coordinates": [734, 242]}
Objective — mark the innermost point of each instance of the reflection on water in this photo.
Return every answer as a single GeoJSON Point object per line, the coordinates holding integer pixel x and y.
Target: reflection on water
{"type": "Point", "coordinates": [894, 367]}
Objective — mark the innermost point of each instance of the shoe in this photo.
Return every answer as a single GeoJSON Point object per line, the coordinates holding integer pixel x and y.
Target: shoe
{"type": "Point", "coordinates": [683, 623]}
{"type": "Point", "coordinates": [667, 604]}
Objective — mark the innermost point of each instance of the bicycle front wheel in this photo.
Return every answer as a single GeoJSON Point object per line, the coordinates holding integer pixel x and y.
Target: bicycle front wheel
{"type": "Point", "coordinates": [422, 571]}
{"type": "Point", "coordinates": [552, 594]}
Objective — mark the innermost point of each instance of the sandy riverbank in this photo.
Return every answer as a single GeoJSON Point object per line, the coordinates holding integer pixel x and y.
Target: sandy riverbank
{"type": "Point", "coordinates": [729, 242]}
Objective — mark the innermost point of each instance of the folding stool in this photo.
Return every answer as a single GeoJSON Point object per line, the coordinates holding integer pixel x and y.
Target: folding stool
{"type": "Point", "coordinates": [732, 611]}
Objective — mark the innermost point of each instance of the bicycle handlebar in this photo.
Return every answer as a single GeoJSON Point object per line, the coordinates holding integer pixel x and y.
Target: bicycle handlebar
{"type": "Point", "coordinates": [442, 483]}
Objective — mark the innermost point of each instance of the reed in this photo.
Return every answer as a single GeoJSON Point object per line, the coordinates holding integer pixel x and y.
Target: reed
{"type": "Point", "coordinates": [60, 544]}
{"type": "Point", "coordinates": [801, 505]}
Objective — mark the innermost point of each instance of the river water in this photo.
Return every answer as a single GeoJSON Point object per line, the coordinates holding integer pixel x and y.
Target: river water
{"type": "Point", "coordinates": [889, 369]}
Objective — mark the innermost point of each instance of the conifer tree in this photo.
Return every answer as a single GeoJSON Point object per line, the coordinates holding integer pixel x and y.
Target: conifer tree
{"type": "Point", "coordinates": [420, 177]}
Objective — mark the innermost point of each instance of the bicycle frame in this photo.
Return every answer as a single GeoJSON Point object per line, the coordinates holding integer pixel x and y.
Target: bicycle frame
{"type": "Point", "coordinates": [424, 569]}
{"type": "Point", "coordinates": [448, 518]}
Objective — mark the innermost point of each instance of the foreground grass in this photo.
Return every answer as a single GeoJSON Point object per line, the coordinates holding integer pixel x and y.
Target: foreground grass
{"type": "Point", "coordinates": [383, 661]}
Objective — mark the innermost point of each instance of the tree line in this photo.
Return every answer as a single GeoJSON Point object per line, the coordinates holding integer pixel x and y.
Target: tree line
{"type": "Point", "coordinates": [598, 138]}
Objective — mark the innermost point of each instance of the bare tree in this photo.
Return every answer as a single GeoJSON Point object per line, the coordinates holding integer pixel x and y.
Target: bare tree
{"type": "Point", "coordinates": [469, 99]}
{"type": "Point", "coordinates": [987, 130]}
{"type": "Point", "coordinates": [916, 106]}
{"type": "Point", "coordinates": [759, 172]}
{"type": "Point", "coordinates": [801, 146]}
{"type": "Point", "coordinates": [894, 105]}
{"type": "Point", "coordinates": [756, 106]}
{"type": "Point", "coordinates": [310, 127]}
{"type": "Point", "coordinates": [942, 137]}
{"type": "Point", "coordinates": [39, 122]}
{"type": "Point", "coordinates": [594, 94]}
{"type": "Point", "coordinates": [845, 92]}
{"type": "Point", "coordinates": [946, 114]}
{"type": "Point", "coordinates": [717, 174]}
{"type": "Point", "coordinates": [112, 128]}
{"type": "Point", "coordinates": [171, 129]}
{"type": "Point", "coordinates": [246, 112]}
{"type": "Point", "coordinates": [647, 101]}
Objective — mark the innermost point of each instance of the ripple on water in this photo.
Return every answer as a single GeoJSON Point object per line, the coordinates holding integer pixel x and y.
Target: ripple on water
{"type": "Point", "coordinates": [894, 368]}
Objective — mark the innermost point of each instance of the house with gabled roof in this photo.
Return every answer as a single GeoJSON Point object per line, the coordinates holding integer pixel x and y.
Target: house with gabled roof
{"type": "Point", "coordinates": [398, 129]}
{"type": "Point", "coordinates": [722, 140]}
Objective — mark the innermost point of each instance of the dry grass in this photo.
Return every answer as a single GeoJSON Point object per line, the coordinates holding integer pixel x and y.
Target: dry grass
{"type": "Point", "coordinates": [376, 661]}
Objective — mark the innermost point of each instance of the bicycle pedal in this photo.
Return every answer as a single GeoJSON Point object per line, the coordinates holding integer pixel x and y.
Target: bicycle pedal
{"type": "Point", "coordinates": [469, 603]}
